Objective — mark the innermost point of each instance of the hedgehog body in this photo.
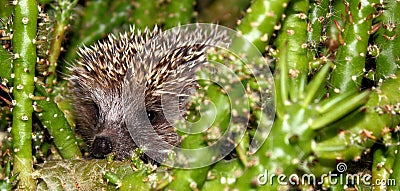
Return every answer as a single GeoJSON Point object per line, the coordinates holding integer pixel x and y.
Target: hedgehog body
{"type": "Point", "coordinates": [136, 67]}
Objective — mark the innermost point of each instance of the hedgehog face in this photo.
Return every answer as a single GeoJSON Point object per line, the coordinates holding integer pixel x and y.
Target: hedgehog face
{"type": "Point", "coordinates": [99, 113]}
{"type": "Point", "coordinates": [100, 122]}
{"type": "Point", "coordinates": [119, 84]}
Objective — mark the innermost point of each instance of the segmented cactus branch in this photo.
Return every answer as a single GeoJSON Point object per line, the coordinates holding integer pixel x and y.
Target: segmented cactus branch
{"type": "Point", "coordinates": [5, 63]}
{"type": "Point", "coordinates": [336, 71]}
{"type": "Point", "coordinates": [293, 35]}
{"type": "Point", "coordinates": [353, 38]}
{"type": "Point", "coordinates": [179, 12]}
{"type": "Point", "coordinates": [363, 128]}
{"type": "Point", "coordinates": [91, 28]}
{"type": "Point", "coordinates": [318, 16]}
{"type": "Point", "coordinates": [144, 13]}
{"type": "Point", "coordinates": [63, 15]}
{"type": "Point", "coordinates": [24, 52]}
{"type": "Point", "coordinates": [259, 23]}
{"type": "Point", "coordinates": [387, 40]}
{"type": "Point", "coordinates": [54, 120]}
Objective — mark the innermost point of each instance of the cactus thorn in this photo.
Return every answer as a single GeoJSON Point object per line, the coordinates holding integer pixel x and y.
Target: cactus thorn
{"type": "Point", "coordinates": [6, 101]}
{"type": "Point", "coordinates": [4, 88]}
{"type": "Point", "coordinates": [374, 28]}
{"type": "Point", "coordinates": [351, 20]}
{"type": "Point", "coordinates": [347, 5]}
{"type": "Point", "coordinates": [340, 28]}
{"type": "Point", "coordinates": [368, 134]}
{"type": "Point", "coordinates": [390, 37]}
{"type": "Point", "coordinates": [341, 39]}
{"type": "Point", "coordinates": [369, 17]}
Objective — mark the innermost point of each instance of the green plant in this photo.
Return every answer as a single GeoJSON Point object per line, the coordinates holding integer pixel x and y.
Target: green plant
{"type": "Point", "coordinates": [336, 67]}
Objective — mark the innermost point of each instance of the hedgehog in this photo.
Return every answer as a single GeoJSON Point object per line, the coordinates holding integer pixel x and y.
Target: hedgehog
{"type": "Point", "coordinates": [123, 86]}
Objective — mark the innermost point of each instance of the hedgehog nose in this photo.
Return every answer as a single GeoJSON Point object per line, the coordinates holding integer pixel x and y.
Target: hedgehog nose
{"type": "Point", "coordinates": [101, 147]}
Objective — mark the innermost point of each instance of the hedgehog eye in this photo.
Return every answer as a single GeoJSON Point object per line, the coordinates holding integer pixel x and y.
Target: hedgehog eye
{"type": "Point", "coordinates": [151, 115]}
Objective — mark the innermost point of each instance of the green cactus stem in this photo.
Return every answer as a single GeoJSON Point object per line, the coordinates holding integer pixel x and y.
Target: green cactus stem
{"type": "Point", "coordinates": [292, 136]}
{"type": "Point", "coordinates": [144, 13]}
{"type": "Point", "coordinates": [382, 166]}
{"type": "Point", "coordinates": [5, 8]}
{"type": "Point", "coordinates": [63, 14]}
{"type": "Point", "coordinates": [24, 49]}
{"type": "Point", "coordinates": [314, 85]}
{"type": "Point", "coordinates": [113, 178]}
{"type": "Point", "coordinates": [44, 2]}
{"type": "Point", "coordinates": [282, 84]}
{"type": "Point", "coordinates": [396, 171]}
{"type": "Point", "coordinates": [331, 36]}
{"type": "Point", "coordinates": [243, 147]}
{"type": "Point", "coordinates": [5, 36]}
{"type": "Point", "coordinates": [186, 178]}
{"type": "Point", "coordinates": [195, 178]}
{"type": "Point", "coordinates": [384, 170]}
{"type": "Point", "coordinates": [5, 63]}
{"type": "Point", "coordinates": [179, 12]}
{"type": "Point", "coordinates": [353, 39]}
{"type": "Point", "coordinates": [8, 180]}
{"type": "Point", "coordinates": [91, 28]}
{"type": "Point", "coordinates": [280, 153]}
{"type": "Point", "coordinates": [82, 174]}
{"type": "Point", "coordinates": [85, 25]}
{"type": "Point", "coordinates": [347, 139]}
{"type": "Point", "coordinates": [223, 175]}
{"type": "Point", "coordinates": [54, 120]}
{"type": "Point", "coordinates": [136, 181]}
{"type": "Point", "coordinates": [258, 24]}
{"type": "Point", "coordinates": [293, 35]}
{"type": "Point", "coordinates": [223, 12]}
{"type": "Point", "coordinates": [342, 108]}
{"type": "Point", "coordinates": [317, 17]}
{"type": "Point", "coordinates": [388, 41]}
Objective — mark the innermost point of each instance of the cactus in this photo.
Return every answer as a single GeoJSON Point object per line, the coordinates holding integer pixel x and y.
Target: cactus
{"type": "Point", "coordinates": [386, 40]}
{"type": "Point", "coordinates": [63, 14]}
{"type": "Point", "coordinates": [353, 37]}
{"type": "Point", "coordinates": [143, 13]}
{"type": "Point", "coordinates": [224, 12]}
{"type": "Point", "coordinates": [395, 174]}
{"type": "Point", "coordinates": [256, 25]}
{"type": "Point", "coordinates": [6, 71]}
{"type": "Point", "coordinates": [179, 12]}
{"type": "Point", "coordinates": [293, 37]}
{"type": "Point", "coordinates": [53, 119]}
{"type": "Point", "coordinates": [316, 27]}
{"type": "Point", "coordinates": [363, 128]}
{"type": "Point", "coordinates": [24, 53]}
{"type": "Point", "coordinates": [88, 27]}
{"type": "Point", "coordinates": [336, 79]}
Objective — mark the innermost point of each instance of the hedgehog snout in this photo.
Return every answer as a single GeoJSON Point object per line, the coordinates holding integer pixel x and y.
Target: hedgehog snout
{"type": "Point", "coordinates": [101, 146]}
